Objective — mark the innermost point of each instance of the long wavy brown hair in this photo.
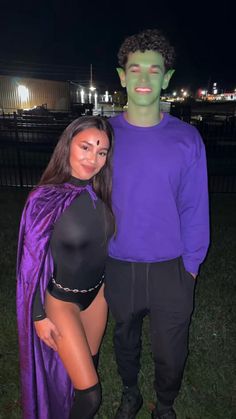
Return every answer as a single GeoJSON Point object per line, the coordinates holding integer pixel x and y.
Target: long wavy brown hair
{"type": "Point", "coordinates": [59, 170]}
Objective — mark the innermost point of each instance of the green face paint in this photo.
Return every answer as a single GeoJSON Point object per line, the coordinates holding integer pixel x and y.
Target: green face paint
{"type": "Point", "coordinates": [144, 77]}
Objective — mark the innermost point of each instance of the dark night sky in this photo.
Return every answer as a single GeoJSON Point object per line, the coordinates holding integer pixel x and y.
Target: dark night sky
{"type": "Point", "coordinates": [61, 38]}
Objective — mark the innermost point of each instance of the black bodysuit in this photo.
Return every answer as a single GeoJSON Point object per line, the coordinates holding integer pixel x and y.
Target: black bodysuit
{"type": "Point", "coordinates": [79, 250]}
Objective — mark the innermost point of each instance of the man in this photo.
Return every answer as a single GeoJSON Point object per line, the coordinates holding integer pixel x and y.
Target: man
{"type": "Point", "coordinates": [160, 201]}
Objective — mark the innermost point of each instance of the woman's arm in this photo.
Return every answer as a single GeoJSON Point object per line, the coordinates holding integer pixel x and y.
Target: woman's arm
{"type": "Point", "coordinates": [38, 312]}
{"type": "Point", "coordinates": [46, 330]}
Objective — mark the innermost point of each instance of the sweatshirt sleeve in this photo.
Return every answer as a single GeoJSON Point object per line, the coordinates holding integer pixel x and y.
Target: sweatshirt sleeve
{"type": "Point", "coordinates": [194, 211]}
{"type": "Point", "coordinates": [38, 312]}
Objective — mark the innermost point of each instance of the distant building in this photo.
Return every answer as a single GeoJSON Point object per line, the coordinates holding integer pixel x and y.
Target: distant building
{"type": "Point", "coordinates": [220, 97]}
{"type": "Point", "coordinates": [20, 93]}
{"type": "Point", "coordinates": [27, 93]}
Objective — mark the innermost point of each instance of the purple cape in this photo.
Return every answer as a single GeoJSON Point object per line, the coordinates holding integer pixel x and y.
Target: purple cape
{"type": "Point", "coordinates": [46, 388]}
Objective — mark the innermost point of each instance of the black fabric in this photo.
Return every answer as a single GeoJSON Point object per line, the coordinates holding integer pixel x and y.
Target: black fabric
{"type": "Point", "coordinates": [38, 312]}
{"type": "Point", "coordinates": [79, 250]}
{"type": "Point", "coordinates": [86, 402]}
{"type": "Point", "coordinates": [168, 413]}
{"type": "Point", "coordinates": [164, 291]}
{"type": "Point", "coordinates": [131, 403]}
{"type": "Point", "coordinates": [162, 407]}
{"type": "Point", "coordinates": [79, 243]}
{"type": "Point", "coordinates": [83, 300]}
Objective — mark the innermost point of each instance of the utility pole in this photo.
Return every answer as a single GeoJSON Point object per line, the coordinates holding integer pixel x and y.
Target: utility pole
{"type": "Point", "coordinates": [92, 88]}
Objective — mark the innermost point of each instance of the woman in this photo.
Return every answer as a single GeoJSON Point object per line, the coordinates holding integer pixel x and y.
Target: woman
{"type": "Point", "coordinates": [61, 310]}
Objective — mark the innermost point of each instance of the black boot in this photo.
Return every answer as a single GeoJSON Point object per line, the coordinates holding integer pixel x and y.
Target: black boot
{"type": "Point", "coordinates": [131, 403]}
{"type": "Point", "coordinates": [86, 402]}
{"type": "Point", "coordinates": [163, 414]}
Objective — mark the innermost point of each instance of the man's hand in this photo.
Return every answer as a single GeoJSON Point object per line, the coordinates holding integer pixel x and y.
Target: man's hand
{"type": "Point", "coordinates": [45, 330]}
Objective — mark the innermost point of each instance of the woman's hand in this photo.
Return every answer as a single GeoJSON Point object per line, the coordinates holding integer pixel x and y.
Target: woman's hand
{"type": "Point", "coordinates": [46, 331]}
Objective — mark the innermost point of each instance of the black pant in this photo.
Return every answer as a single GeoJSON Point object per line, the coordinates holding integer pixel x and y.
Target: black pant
{"type": "Point", "coordinates": [164, 291]}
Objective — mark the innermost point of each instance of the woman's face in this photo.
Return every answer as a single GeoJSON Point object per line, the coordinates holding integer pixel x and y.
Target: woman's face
{"type": "Point", "coordinates": [88, 153]}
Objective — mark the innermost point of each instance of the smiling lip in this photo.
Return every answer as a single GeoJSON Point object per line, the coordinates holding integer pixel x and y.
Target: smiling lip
{"type": "Point", "coordinates": [89, 169]}
{"type": "Point", "coordinates": [143, 90]}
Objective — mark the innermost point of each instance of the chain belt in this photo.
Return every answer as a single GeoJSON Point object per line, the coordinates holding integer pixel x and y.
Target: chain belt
{"type": "Point", "coordinates": [75, 290]}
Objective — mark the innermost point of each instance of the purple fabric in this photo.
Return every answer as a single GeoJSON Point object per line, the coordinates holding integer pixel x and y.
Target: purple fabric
{"type": "Point", "coordinates": [160, 196]}
{"type": "Point", "coordinates": [46, 388]}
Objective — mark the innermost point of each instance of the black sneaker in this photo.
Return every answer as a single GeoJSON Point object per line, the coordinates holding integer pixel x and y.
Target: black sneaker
{"type": "Point", "coordinates": [169, 414]}
{"type": "Point", "coordinates": [131, 403]}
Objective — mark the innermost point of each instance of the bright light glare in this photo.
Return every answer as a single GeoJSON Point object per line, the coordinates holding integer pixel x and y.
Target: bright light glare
{"type": "Point", "coordinates": [23, 93]}
{"type": "Point", "coordinates": [106, 96]}
{"type": "Point", "coordinates": [82, 95]}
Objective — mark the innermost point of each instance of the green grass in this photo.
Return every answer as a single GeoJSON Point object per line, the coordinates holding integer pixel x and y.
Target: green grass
{"type": "Point", "coordinates": [209, 385]}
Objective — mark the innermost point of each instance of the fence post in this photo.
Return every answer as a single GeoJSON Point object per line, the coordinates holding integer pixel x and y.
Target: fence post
{"type": "Point", "coordinates": [19, 165]}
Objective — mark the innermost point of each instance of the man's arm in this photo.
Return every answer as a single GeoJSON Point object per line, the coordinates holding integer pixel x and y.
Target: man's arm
{"type": "Point", "coordinates": [194, 212]}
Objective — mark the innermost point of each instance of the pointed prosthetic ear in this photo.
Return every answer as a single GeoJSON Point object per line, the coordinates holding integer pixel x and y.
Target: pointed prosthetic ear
{"type": "Point", "coordinates": [167, 78]}
{"type": "Point", "coordinates": [121, 73]}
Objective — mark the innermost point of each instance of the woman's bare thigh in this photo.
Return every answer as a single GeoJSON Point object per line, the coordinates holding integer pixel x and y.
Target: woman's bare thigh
{"type": "Point", "coordinates": [73, 346]}
{"type": "Point", "coordinates": [94, 320]}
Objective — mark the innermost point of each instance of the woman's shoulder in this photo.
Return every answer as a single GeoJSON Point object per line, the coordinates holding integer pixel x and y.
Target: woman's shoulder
{"type": "Point", "coordinates": [48, 191]}
{"type": "Point", "coordinates": [41, 195]}
{"type": "Point", "coordinates": [50, 196]}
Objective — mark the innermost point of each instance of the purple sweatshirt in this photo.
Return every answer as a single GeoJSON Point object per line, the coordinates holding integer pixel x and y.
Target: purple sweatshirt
{"type": "Point", "coordinates": [160, 194]}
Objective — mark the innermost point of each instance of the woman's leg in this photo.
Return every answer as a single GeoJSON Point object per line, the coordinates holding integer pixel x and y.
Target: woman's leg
{"type": "Point", "coordinates": [94, 320]}
{"type": "Point", "coordinates": [73, 347]}
{"type": "Point", "coordinates": [80, 336]}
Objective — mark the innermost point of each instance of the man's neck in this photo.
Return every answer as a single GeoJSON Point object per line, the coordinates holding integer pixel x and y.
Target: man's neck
{"type": "Point", "coordinates": [143, 116]}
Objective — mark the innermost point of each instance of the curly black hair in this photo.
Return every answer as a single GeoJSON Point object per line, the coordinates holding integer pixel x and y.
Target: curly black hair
{"type": "Point", "coordinates": [151, 40]}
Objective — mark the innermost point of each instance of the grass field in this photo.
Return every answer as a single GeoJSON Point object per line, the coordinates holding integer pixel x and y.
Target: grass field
{"type": "Point", "coordinates": [209, 385]}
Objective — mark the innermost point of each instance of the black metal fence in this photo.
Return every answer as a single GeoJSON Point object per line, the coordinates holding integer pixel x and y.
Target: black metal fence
{"type": "Point", "coordinates": [219, 136]}
{"type": "Point", "coordinates": [27, 142]}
